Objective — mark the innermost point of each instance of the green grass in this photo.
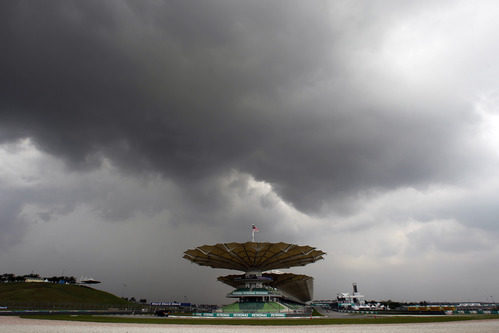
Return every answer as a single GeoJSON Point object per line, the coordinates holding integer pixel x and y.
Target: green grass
{"type": "Point", "coordinates": [265, 322]}
{"type": "Point", "coordinates": [50, 295]}
{"type": "Point", "coordinates": [316, 313]}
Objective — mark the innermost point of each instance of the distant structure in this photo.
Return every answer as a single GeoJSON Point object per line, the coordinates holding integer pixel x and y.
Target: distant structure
{"type": "Point", "coordinates": [353, 301]}
{"type": "Point", "coordinates": [35, 280]}
{"type": "Point", "coordinates": [88, 280]}
{"type": "Point", "coordinates": [260, 288]}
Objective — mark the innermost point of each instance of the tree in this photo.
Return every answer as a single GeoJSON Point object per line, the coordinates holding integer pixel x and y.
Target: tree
{"type": "Point", "coordinates": [19, 279]}
{"type": "Point", "coordinates": [7, 277]}
{"type": "Point", "coordinates": [32, 276]}
{"type": "Point", "coordinates": [53, 279]}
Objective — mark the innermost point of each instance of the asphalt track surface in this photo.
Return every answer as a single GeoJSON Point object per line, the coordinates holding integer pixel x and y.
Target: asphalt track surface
{"type": "Point", "coordinates": [17, 325]}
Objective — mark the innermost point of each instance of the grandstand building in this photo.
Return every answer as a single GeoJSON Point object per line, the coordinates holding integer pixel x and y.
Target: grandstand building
{"type": "Point", "coordinates": [261, 288]}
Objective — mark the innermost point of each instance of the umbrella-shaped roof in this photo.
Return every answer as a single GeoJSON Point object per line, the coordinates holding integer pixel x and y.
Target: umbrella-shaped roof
{"type": "Point", "coordinates": [252, 256]}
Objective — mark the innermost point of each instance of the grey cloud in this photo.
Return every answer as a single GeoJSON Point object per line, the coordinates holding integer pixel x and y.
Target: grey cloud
{"type": "Point", "coordinates": [142, 84]}
{"type": "Point", "coordinates": [449, 237]}
{"type": "Point", "coordinates": [171, 111]}
{"type": "Point", "coordinates": [12, 225]}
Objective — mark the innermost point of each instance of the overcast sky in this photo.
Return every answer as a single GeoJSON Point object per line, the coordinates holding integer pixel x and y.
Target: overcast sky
{"type": "Point", "coordinates": [131, 131]}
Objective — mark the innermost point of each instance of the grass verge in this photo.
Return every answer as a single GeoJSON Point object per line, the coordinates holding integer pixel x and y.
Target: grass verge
{"type": "Point", "coordinates": [316, 313]}
{"type": "Point", "coordinates": [263, 322]}
{"type": "Point", "coordinates": [57, 296]}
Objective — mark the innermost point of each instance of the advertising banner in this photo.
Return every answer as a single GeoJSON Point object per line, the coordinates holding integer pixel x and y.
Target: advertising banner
{"type": "Point", "coordinates": [239, 315]}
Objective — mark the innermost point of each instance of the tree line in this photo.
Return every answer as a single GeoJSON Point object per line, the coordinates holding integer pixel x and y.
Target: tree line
{"type": "Point", "coordinates": [9, 277]}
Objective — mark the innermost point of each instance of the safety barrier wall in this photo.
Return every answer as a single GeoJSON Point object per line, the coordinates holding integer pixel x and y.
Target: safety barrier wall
{"type": "Point", "coordinates": [239, 315]}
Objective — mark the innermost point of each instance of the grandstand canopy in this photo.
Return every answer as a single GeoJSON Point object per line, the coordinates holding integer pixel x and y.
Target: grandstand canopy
{"type": "Point", "coordinates": [296, 287]}
{"type": "Point", "coordinates": [275, 280]}
{"type": "Point", "coordinates": [253, 256]}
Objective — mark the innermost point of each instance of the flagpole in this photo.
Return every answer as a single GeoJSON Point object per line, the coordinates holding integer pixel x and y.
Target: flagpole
{"type": "Point", "coordinates": [253, 230]}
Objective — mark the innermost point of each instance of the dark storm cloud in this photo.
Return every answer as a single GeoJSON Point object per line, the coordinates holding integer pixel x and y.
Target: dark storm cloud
{"type": "Point", "coordinates": [180, 123]}
{"type": "Point", "coordinates": [195, 89]}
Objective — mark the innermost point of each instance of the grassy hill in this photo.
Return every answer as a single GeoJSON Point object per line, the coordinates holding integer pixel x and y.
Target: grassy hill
{"type": "Point", "coordinates": [60, 296]}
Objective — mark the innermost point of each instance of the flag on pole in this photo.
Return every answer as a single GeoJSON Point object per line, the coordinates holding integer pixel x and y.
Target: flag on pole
{"type": "Point", "coordinates": [253, 230]}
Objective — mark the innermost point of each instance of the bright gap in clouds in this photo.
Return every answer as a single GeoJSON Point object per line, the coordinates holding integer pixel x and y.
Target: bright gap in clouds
{"type": "Point", "coordinates": [487, 107]}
